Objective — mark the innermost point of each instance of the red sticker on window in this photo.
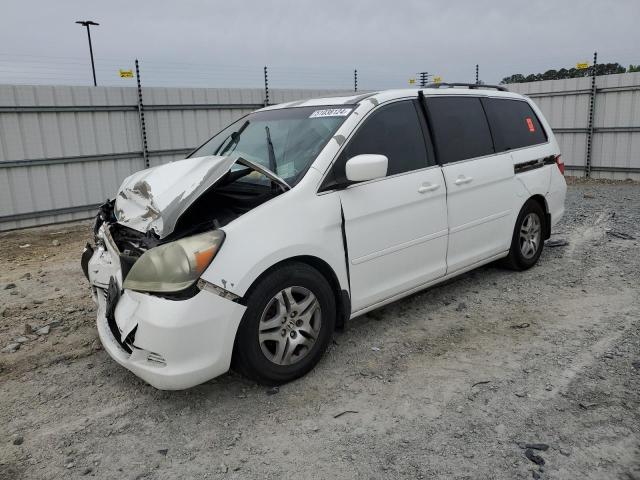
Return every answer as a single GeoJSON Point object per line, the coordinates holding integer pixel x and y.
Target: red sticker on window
{"type": "Point", "coordinates": [532, 128]}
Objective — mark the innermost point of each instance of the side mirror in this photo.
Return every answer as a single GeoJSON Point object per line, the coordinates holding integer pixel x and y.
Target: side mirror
{"type": "Point", "coordinates": [365, 167]}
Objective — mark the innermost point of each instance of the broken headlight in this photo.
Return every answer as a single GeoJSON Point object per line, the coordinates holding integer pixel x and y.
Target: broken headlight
{"type": "Point", "coordinates": [174, 266]}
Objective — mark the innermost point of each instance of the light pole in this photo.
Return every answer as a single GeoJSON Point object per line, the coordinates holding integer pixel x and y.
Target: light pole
{"type": "Point", "coordinates": [86, 23]}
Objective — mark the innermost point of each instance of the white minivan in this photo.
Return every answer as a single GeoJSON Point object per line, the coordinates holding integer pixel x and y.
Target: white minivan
{"type": "Point", "coordinates": [297, 217]}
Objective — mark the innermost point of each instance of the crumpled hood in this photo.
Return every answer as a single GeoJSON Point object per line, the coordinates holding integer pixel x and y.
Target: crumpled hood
{"type": "Point", "coordinates": [154, 199]}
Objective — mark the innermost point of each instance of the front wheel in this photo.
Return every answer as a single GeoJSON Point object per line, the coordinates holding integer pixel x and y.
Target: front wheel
{"type": "Point", "coordinates": [527, 240]}
{"type": "Point", "coordinates": [288, 323]}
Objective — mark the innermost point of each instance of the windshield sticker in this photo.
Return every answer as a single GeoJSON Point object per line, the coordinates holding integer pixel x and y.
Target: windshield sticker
{"type": "Point", "coordinates": [287, 170]}
{"type": "Point", "coordinates": [331, 112]}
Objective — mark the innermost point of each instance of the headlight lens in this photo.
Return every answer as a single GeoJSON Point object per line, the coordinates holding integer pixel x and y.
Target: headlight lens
{"type": "Point", "coordinates": [174, 266]}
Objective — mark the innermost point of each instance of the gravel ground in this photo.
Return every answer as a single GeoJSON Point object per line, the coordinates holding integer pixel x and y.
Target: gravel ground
{"type": "Point", "coordinates": [449, 383]}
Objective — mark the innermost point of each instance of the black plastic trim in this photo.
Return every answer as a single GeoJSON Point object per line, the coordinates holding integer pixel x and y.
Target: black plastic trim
{"type": "Point", "coordinates": [344, 244]}
{"type": "Point", "coordinates": [426, 131]}
{"type": "Point", "coordinates": [486, 117]}
{"type": "Point", "coordinates": [344, 309]}
{"type": "Point", "coordinates": [528, 166]}
{"type": "Point", "coordinates": [429, 123]}
{"type": "Point", "coordinates": [185, 294]}
{"type": "Point", "coordinates": [547, 226]}
{"type": "Point", "coordinates": [112, 298]}
{"type": "Point", "coordinates": [471, 86]}
{"type": "Point", "coordinates": [533, 164]}
{"type": "Point", "coordinates": [87, 253]}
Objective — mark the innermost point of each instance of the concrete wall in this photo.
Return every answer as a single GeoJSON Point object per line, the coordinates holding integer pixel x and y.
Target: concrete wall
{"type": "Point", "coordinates": [64, 149]}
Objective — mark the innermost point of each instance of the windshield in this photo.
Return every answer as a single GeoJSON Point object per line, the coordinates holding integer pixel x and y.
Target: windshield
{"type": "Point", "coordinates": [286, 141]}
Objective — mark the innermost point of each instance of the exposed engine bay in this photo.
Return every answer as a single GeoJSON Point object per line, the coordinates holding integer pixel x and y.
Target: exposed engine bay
{"type": "Point", "coordinates": [222, 203]}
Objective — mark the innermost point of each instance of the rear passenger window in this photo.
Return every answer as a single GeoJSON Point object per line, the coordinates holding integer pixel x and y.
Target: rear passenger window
{"type": "Point", "coordinates": [459, 127]}
{"type": "Point", "coordinates": [393, 130]}
{"type": "Point", "coordinates": [514, 124]}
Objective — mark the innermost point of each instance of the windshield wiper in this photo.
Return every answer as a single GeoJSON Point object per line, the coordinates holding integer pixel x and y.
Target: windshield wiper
{"type": "Point", "coordinates": [273, 166]}
{"type": "Point", "coordinates": [235, 138]}
{"type": "Point", "coordinates": [272, 154]}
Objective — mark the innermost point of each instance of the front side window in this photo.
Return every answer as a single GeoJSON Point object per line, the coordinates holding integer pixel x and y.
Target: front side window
{"type": "Point", "coordinates": [286, 141]}
{"type": "Point", "coordinates": [460, 128]}
{"type": "Point", "coordinates": [514, 124]}
{"type": "Point", "coordinates": [392, 130]}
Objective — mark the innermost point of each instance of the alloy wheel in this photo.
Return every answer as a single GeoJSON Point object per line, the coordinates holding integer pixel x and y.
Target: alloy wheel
{"type": "Point", "coordinates": [530, 235]}
{"type": "Point", "coordinates": [289, 325]}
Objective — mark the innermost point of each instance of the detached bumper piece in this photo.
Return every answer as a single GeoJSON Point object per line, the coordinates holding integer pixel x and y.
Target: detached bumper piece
{"type": "Point", "coordinates": [112, 296]}
{"type": "Point", "coordinates": [87, 253]}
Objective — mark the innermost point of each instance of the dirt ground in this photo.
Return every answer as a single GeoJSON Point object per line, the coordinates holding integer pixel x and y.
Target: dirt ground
{"type": "Point", "coordinates": [449, 383]}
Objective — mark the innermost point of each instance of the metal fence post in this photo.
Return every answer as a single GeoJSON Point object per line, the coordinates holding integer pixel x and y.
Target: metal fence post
{"type": "Point", "coordinates": [424, 78]}
{"type": "Point", "coordinates": [592, 108]}
{"type": "Point", "coordinates": [355, 80]}
{"type": "Point", "coordinates": [266, 88]}
{"type": "Point", "coordinates": [143, 126]}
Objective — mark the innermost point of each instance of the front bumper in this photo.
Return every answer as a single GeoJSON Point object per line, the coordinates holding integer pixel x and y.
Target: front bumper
{"type": "Point", "coordinates": [173, 344]}
{"type": "Point", "coordinates": [177, 344]}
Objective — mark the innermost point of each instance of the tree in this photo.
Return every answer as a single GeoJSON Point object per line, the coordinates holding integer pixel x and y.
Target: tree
{"type": "Point", "coordinates": [609, 68]}
{"type": "Point", "coordinates": [517, 78]}
{"type": "Point", "coordinates": [601, 69]}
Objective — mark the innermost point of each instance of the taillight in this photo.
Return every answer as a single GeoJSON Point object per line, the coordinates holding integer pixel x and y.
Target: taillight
{"type": "Point", "coordinates": [560, 164]}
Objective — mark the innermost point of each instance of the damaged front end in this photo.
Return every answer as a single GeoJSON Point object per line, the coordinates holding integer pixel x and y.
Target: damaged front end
{"type": "Point", "coordinates": [156, 315]}
{"type": "Point", "coordinates": [170, 344]}
{"type": "Point", "coordinates": [156, 199]}
{"type": "Point", "coordinates": [145, 275]}
{"type": "Point", "coordinates": [173, 213]}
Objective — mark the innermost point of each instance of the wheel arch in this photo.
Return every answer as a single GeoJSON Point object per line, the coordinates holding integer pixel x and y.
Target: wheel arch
{"type": "Point", "coordinates": [542, 201]}
{"type": "Point", "coordinates": [343, 300]}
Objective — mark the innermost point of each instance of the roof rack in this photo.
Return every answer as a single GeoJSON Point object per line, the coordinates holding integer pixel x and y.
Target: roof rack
{"type": "Point", "coordinates": [468, 85]}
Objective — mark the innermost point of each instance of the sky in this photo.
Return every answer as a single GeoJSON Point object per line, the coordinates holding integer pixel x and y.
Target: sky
{"type": "Point", "coordinates": [309, 43]}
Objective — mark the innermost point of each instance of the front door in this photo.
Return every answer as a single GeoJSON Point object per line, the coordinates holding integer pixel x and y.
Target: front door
{"type": "Point", "coordinates": [396, 226]}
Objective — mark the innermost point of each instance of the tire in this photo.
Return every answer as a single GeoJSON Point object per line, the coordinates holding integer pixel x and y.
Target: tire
{"type": "Point", "coordinates": [528, 237]}
{"type": "Point", "coordinates": [275, 342]}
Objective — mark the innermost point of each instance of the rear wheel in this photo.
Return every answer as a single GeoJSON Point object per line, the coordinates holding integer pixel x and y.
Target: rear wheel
{"type": "Point", "coordinates": [527, 240]}
{"type": "Point", "coordinates": [287, 326]}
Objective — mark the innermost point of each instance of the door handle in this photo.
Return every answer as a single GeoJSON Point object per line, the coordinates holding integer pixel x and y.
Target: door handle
{"type": "Point", "coordinates": [428, 188]}
{"type": "Point", "coordinates": [462, 180]}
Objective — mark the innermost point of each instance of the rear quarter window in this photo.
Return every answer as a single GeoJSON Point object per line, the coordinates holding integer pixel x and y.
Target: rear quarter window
{"type": "Point", "coordinates": [513, 123]}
